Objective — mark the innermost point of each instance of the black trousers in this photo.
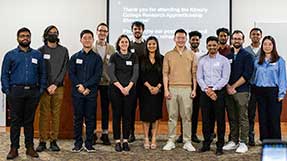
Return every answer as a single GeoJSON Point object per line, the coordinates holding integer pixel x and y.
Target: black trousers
{"type": "Point", "coordinates": [269, 110]}
{"type": "Point", "coordinates": [84, 109]}
{"type": "Point", "coordinates": [122, 110]}
{"type": "Point", "coordinates": [105, 100]}
{"type": "Point", "coordinates": [23, 103]}
{"type": "Point", "coordinates": [251, 113]}
{"type": "Point", "coordinates": [209, 107]}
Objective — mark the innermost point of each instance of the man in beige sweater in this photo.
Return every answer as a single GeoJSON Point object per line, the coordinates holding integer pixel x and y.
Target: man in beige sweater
{"type": "Point", "coordinates": [179, 79]}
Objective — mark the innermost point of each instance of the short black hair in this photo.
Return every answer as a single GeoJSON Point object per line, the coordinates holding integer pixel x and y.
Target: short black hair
{"type": "Point", "coordinates": [138, 24]}
{"type": "Point", "coordinates": [86, 32]}
{"type": "Point", "coordinates": [211, 38]}
{"type": "Point", "coordinates": [255, 29]}
{"type": "Point", "coordinates": [195, 33]}
{"type": "Point", "coordinates": [46, 31]}
{"type": "Point", "coordinates": [23, 29]}
{"type": "Point", "coordinates": [225, 30]}
{"type": "Point", "coordinates": [237, 32]}
{"type": "Point", "coordinates": [102, 24]}
{"type": "Point", "coordinates": [180, 31]}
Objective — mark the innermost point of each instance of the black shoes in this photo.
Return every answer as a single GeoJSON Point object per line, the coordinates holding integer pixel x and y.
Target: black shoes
{"type": "Point", "coordinates": [90, 149]}
{"type": "Point", "coordinates": [212, 136]}
{"type": "Point", "coordinates": [41, 147]}
{"type": "Point", "coordinates": [204, 149]}
{"type": "Point", "coordinates": [219, 152]}
{"type": "Point", "coordinates": [118, 147]}
{"type": "Point", "coordinates": [77, 149]}
{"type": "Point", "coordinates": [179, 139]}
{"type": "Point", "coordinates": [105, 139]}
{"type": "Point", "coordinates": [95, 139]}
{"type": "Point", "coordinates": [195, 139]}
{"type": "Point", "coordinates": [54, 146]}
{"type": "Point", "coordinates": [251, 142]}
{"type": "Point", "coordinates": [13, 153]}
{"type": "Point", "coordinates": [132, 138]}
{"type": "Point", "coordinates": [126, 146]}
{"type": "Point", "coordinates": [31, 152]}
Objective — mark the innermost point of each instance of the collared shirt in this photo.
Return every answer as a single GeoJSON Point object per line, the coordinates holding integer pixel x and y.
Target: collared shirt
{"type": "Point", "coordinates": [180, 69]}
{"type": "Point", "coordinates": [224, 51]}
{"type": "Point", "coordinates": [85, 69]}
{"type": "Point", "coordinates": [271, 75]}
{"type": "Point", "coordinates": [254, 51]}
{"type": "Point", "coordinates": [213, 72]}
{"type": "Point", "coordinates": [241, 66]}
{"type": "Point", "coordinates": [56, 62]}
{"type": "Point", "coordinates": [138, 48]}
{"type": "Point", "coordinates": [199, 55]}
{"type": "Point", "coordinates": [23, 68]}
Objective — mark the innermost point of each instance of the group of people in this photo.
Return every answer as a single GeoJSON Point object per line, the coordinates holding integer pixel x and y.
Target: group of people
{"type": "Point", "coordinates": [226, 77]}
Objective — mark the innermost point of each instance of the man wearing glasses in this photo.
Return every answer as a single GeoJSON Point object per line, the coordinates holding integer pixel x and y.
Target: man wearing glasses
{"type": "Point", "coordinates": [23, 80]}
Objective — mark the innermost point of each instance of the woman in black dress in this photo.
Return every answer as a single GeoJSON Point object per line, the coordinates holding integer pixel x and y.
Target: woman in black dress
{"type": "Point", "coordinates": [151, 93]}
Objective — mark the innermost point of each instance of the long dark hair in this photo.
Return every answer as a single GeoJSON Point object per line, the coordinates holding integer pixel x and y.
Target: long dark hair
{"type": "Point", "coordinates": [145, 65]}
{"type": "Point", "coordinates": [274, 53]}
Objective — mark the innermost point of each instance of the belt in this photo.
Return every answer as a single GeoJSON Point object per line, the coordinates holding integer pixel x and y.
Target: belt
{"type": "Point", "coordinates": [26, 87]}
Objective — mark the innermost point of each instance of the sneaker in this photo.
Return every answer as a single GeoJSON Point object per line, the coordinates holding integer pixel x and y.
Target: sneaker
{"type": "Point", "coordinates": [242, 148]}
{"type": "Point", "coordinates": [118, 147]}
{"type": "Point", "coordinates": [41, 147]}
{"type": "Point", "coordinates": [54, 146]}
{"type": "Point", "coordinates": [77, 149]}
{"type": "Point", "coordinates": [126, 146]}
{"type": "Point", "coordinates": [195, 139]}
{"type": "Point", "coordinates": [230, 146]}
{"type": "Point", "coordinates": [188, 146]}
{"type": "Point", "coordinates": [219, 152]}
{"type": "Point", "coordinates": [132, 138]}
{"type": "Point", "coordinates": [90, 149]}
{"type": "Point", "coordinates": [169, 145]}
{"type": "Point", "coordinates": [105, 139]}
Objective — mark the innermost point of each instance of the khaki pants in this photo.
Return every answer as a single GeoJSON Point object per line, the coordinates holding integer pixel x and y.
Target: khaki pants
{"type": "Point", "coordinates": [182, 102]}
{"type": "Point", "coordinates": [50, 107]}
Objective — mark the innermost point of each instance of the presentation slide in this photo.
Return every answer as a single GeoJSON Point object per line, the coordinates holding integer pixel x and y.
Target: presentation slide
{"type": "Point", "coordinates": [162, 18]}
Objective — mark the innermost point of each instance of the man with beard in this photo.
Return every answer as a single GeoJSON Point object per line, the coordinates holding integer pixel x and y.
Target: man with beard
{"type": "Point", "coordinates": [56, 59]}
{"type": "Point", "coordinates": [23, 80]}
{"type": "Point", "coordinates": [238, 93]}
{"type": "Point", "coordinates": [137, 47]}
{"type": "Point", "coordinates": [212, 75]}
{"type": "Point", "coordinates": [254, 48]}
{"type": "Point", "coordinates": [105, 50]}
{"type": "Point", "coordinates": [222, 34]}
{"type": "Point", "coordinates": [194, 41]}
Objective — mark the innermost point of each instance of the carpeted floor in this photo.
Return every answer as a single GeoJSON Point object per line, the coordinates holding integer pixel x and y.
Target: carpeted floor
{"type": "Point", "coordinates": [137, 153]}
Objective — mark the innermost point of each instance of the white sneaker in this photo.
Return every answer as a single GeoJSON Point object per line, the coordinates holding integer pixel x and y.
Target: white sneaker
{"type": "Point", "coordinates": [169, 145]}
{"type": "Point", "coordinates": [188, 146]}
{"type": "Point", "coordinates": [230, 146]}
{"type": "Point", "coordinates": [242, 148]}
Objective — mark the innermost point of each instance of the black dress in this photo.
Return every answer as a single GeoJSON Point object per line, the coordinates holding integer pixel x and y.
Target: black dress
{"type": "Point", "coordinates": [151, 105]}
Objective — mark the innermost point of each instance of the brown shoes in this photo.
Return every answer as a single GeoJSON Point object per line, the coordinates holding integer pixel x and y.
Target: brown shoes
{"type": "Point", "coordinates": [31, 152]}
{"type": "Point", "coordinates": [13, 153]}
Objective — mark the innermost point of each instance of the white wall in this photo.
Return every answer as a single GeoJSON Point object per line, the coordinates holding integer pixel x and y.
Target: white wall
{"type": "Point", "coordinates": [71, 16]}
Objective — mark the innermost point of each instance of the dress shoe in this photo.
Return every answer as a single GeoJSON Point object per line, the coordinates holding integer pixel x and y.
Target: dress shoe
{"type": "Point", "coordinates": [126, 146]}
{"type": "Point", "coordinates": [31, 152]}
{"type": "Point", "coordinates": [13, 153]}
{"type": "Point", "coordinates": [54, 146]}
{"type": "Point", "coordinates": [179, 139]}
{"type": "Point", "coordinates": [204, 149]}
{"type": "Point", "coordinates": [219, 152]}
{"type": "Point", "coordinates": [41, 147]}
{"type": "Point", "coordinates": [105, 139]}
{"type": "Point", "coordinates": [132, 138]}
{"type": "Point", "coordinates": [195, 139]}
{"type": "Point", "coordinates": [118, 147]}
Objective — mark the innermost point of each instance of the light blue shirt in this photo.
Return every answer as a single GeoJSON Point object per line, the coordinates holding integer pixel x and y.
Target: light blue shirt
{"type": "Point", "coordinates": [213, 72]}
{"type": "Point", "coordinates": [271, 75]}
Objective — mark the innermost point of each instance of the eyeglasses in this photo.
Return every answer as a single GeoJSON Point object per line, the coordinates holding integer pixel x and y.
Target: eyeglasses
{"type": "Point", "coordinates": [105, 31]}
{"type": "Point", "coordinates": [23, 36]}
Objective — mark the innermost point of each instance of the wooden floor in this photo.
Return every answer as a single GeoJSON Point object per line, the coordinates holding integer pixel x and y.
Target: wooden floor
{"type": "Point", "coordinates": [163, 128]}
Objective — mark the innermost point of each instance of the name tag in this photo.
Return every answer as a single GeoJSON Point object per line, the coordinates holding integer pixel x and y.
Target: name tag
{"type": "Point", "coordinates": [34, 61]}
{"type": "Point", "coordinates": [129, 63]}
{"type": "Point", "coordinates": [230, 61]}
{"type": "Point", "coordinates": [47, 56]}
{"type": "Point", "coordinates": [273, 63]}
{"type": "Point", "coordinates": [216, 64]}
{"type": "Point", "coordinates": [133, 50]}
{"type": "Point", "coordinates": [79, 61]}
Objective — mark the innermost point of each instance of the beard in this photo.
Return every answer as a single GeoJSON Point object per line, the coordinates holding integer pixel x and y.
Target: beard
{"type": "Point", "coordinates": [138, 35]}
{"type": "Point", "coordinates": [194, 46]}
{"type": "Point", "coordinates": [237, 46]}
{"type": "Point", "coordinates": [25, 44]}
